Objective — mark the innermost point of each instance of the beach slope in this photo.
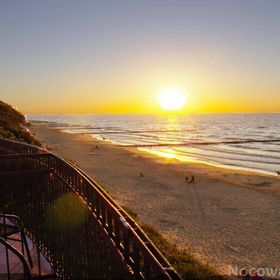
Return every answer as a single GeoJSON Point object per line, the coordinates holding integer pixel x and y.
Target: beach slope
{"type": "Point", "coordinates": [225, 218]}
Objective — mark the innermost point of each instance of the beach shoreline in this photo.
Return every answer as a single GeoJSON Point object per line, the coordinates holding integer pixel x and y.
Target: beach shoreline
{"type": "Point", "coordinates": [207, 217]}
{"type": "Point", "coordinates": [223, 144]}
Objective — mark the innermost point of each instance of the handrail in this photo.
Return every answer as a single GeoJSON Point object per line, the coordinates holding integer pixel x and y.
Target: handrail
{"type": "Point", "coordinates": [18, 223]}
{"type": "Point", "coordinates": [19, 255]}
{"type": "Point", "coordinates": [118, 228]}
{"type": "Point", "coordinates": [143, 236]}
{"type": "Point", "coordinates": [19, 147]}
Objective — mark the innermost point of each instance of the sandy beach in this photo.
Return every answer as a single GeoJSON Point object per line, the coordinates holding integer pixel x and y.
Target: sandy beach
{"type": "Point", "coordinates": [226, 217]}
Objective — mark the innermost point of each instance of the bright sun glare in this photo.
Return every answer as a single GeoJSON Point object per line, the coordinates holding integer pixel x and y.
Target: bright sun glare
{"type": "Point", "coordinates": [171, 100]}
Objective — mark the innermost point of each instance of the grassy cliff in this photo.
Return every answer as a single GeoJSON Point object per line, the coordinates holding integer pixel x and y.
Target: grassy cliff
{"type": "Point", "coordinates": [13, 125]}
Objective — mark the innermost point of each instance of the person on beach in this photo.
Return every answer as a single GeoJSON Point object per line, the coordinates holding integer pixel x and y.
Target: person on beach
{"type": "Point", "coordinates": [191, 180]}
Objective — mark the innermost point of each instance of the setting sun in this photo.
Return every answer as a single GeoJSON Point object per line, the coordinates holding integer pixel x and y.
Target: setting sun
{"type": "Point", "coordinates": [171, 100]}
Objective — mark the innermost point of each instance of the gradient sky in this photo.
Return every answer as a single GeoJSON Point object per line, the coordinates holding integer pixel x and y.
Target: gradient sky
{"type": "Point", "coordinates": [63, 56]}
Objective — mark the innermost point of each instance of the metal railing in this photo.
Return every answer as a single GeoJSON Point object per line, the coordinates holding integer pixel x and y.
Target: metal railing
{"type": "Point", "coordinates": [80, 229]}
{"type": "Point", "coordinates": [19, 255]}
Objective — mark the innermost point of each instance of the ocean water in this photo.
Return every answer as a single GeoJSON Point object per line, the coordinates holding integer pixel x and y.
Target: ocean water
{"type": "Point", "coordinates": [238, 141]}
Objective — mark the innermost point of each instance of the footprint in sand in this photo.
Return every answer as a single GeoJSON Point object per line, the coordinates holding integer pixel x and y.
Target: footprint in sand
{"type": "Point", "coordinates": [168, 223]}
{"type": "Point", "coordinates": [231, 248]}
{"type": "Point", "coordinates": [231, 210]}
{"type": "Point", "coordinates": [264, 184]}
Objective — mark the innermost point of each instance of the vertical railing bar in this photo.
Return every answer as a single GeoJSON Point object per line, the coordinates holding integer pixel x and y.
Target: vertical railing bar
{"type": "Point", "coordinates": [7, 253]}
{"type": "Point", "coordinates": [39, 261]}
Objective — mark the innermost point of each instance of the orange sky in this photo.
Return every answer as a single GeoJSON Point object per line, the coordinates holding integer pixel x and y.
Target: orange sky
{"type": "Point", "coordinates": [97, 57]}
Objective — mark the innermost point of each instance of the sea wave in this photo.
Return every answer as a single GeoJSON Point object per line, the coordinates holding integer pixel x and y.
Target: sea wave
{"type": "Point", "coordinates": [250, 141]}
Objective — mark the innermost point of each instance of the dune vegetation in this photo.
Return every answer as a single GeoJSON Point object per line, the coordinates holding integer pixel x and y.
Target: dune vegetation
{"type": "Point", "coordinates": [14, 126]}
{"type": "Point", "coordinates": [181, 259]}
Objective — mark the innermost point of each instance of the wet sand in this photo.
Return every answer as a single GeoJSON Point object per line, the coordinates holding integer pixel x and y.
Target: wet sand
{"type": "Point", "coordinates": [226, 217]}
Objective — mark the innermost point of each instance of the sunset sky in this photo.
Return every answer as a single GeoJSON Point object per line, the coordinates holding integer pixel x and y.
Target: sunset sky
{"type": "Point", "coordinates": [64, 56]}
